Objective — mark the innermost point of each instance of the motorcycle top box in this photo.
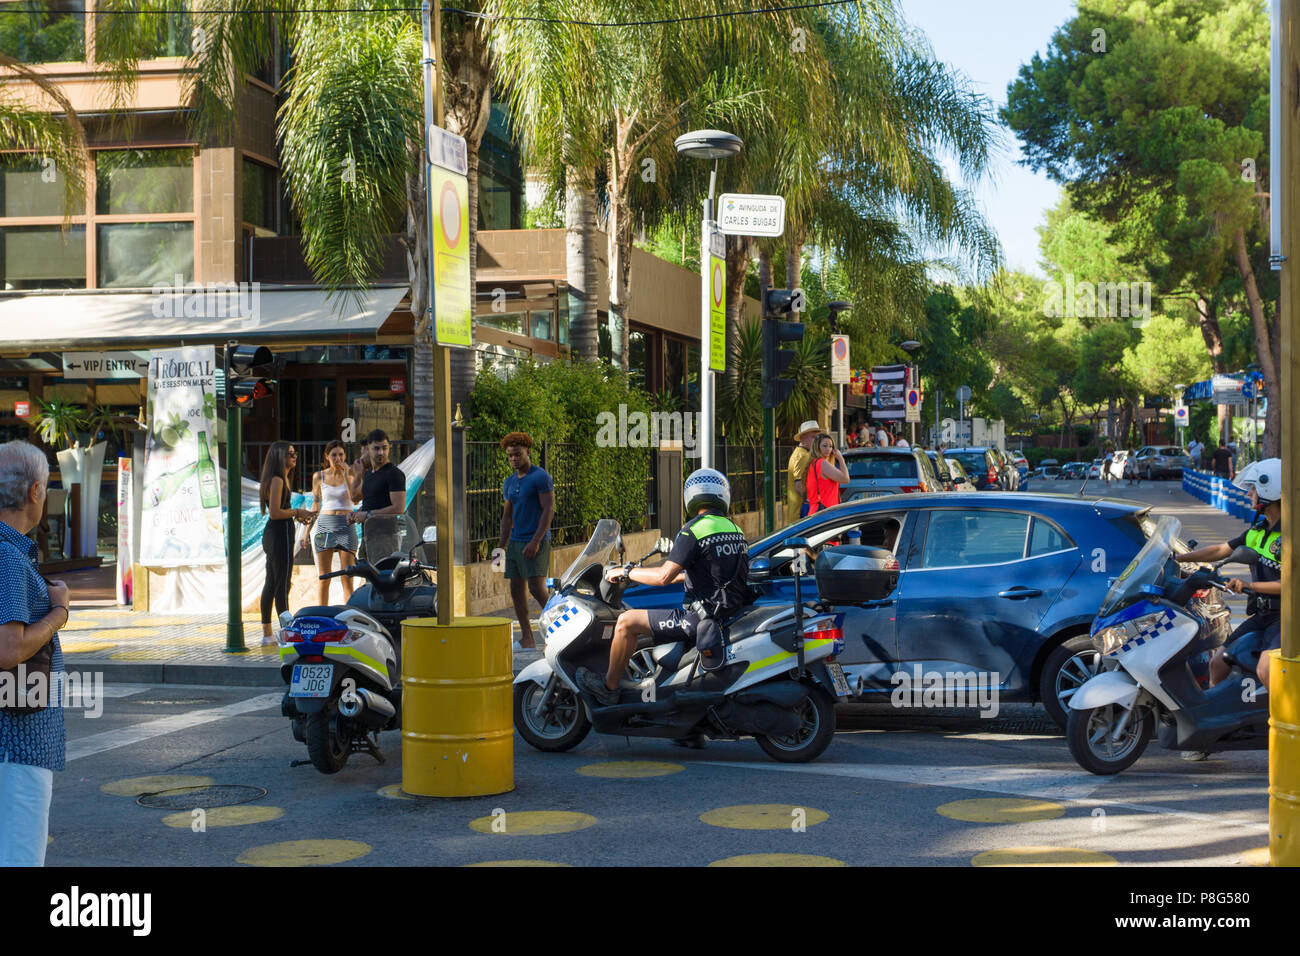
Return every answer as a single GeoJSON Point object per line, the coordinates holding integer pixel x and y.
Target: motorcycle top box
{"type": "Point", "coordinates": [852, 574]}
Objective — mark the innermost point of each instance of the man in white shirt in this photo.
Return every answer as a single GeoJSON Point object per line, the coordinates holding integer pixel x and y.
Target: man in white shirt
{"type": "Point", "coordinates": [882, 438]}
{"type": "Point", "coordinates": [902, 442]}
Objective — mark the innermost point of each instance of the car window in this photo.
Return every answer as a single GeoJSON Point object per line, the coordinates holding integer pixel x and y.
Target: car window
{"type": "Point", "coordinates": [1171, 451]}
{"type": "Point", "coordinates": [940, 468]}
{"type": "Point", "coordinates": [963, 538]}
{"type": "Point", "coordinates": [882, 466]}
{"type": "Point", "coordinates": [879, 531]}
{"type": "Point", "coordinates": [971, 461]}
{"type": "Point", "coordinates": [1046, 538]}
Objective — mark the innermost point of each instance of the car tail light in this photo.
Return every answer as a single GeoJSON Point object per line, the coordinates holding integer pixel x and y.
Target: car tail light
{"type": "Point", "coordinates": [911, 488]}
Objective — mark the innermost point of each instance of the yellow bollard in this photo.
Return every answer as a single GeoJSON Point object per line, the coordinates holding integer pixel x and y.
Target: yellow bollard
{"type": "Point", "coordinates": [1284, 761]}
{"type": "Point", "coordinates": [457, 713]}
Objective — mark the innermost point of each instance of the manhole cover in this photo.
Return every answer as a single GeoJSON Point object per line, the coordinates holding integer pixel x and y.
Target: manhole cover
{"type": "Point", "coordinates": [191, 798]}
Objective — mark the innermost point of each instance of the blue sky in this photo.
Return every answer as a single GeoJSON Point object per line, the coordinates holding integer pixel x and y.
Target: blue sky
{"type": "Point", "coordinates": [988, 40]}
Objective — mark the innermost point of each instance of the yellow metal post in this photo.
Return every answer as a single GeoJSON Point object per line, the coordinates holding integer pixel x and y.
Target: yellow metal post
{"type": "Point", "coordinates": [457, 711]}
{"type": "Point", "coordinates": [1284, 672]}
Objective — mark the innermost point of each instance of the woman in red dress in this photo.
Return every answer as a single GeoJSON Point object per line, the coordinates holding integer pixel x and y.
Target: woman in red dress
{"type": "Point", "coordinates": [826, 473]}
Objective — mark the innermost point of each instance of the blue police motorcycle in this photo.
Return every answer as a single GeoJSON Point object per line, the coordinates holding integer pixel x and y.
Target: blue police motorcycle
{"type": "Point", "coordinates": [1153, 630]}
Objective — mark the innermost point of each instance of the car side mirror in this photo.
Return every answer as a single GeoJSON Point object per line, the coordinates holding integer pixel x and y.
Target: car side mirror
{"type": "Point", "coordinates": [760, 569]}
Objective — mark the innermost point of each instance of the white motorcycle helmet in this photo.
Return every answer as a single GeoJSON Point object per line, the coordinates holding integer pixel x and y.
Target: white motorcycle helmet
{"type": "Point", "coordinates": [1264, 476]}
{"type": "Point", "coordinates": [706, 487]}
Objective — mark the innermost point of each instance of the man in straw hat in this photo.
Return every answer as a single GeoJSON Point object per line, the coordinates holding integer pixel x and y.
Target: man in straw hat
{"type": "Point", "coordinates": [796, 489]}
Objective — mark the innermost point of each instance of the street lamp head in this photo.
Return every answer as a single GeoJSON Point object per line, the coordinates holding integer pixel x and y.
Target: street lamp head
{"type": "Point", "coordinates": [838, 306]}
{"type": "Point", "coordinates": [708, 144]}
{"type": "Point", "coordinates": [911, 345]}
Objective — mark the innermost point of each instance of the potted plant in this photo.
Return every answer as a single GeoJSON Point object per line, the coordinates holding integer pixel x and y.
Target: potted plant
{"type": "Point", "coordinates": [61, 423]}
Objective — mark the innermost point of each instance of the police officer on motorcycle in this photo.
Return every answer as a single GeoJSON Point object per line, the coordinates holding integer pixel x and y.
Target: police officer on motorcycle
{"type": "Point", "coordinates": [1262, 631]}
{"type": "Point", "coordinates": [711, 554]}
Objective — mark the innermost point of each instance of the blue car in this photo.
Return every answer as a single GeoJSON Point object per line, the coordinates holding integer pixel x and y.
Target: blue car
{"type": "Point", "coordinates": [999, 585]}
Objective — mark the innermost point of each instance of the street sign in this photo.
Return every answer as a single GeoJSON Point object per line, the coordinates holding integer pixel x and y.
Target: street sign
{"type": "Point", "coordinates": [1227, 390]}
{"type": "Point", "coordinates": [841, 373]}
{"type": "Point", "coordinates": [743, 214]}
{"type": "Point", "coordinates": [449, 202]}
{"type": "Point", "coordinates": [717, 303]}
{"type": "Point", "coordinates": [913, 405]}
{"type": "Point", "coordinates": [1180, 416]}
{"type": "Point", "coordinates": [963, 393]}
{"type": "Point", "coordinates": [22, 409]}
{"type": "Point", "coordinates": [105, 365]}
{"type": "Point", "coordinates": [448, 151]}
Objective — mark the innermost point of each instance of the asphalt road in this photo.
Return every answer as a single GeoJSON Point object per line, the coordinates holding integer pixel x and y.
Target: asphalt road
{"type": "Point", "coordinates": [894, 788]}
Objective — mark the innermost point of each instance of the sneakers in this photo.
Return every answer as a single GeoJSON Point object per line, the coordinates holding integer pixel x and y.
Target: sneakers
{"type": "Point", "coordinates": [1195, 755]}
{"type": "Point", "coordinates": [594, 684]}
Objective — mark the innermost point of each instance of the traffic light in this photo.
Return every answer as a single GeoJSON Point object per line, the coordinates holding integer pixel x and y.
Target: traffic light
{"type": "Point", "coordinates": [776, 360]}
{"type": "Point", "coordinates": [250, 374]}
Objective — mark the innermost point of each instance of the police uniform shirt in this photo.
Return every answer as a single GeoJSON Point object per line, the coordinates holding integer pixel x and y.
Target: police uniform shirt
{"type": "Point", "coordinates": [713, 552]}
{"type": "Point", "coordinates": [1267, 542]}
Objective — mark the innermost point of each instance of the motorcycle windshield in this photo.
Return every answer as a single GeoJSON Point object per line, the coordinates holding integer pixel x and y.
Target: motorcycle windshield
{"type": "Point", "coordinates": [597, 551]}
{"type": "Point", "coordinates": [386, 536]}
{"type": "Point", "coordinates": [1146, 567]}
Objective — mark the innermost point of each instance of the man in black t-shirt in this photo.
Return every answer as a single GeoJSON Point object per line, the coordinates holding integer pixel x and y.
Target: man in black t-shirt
{"type": "Point", "coordinates": [710, 553]}
{"type": "Point", "coordinates": [383, 484]}
{"type": "Point", "coordinates": [1222, 461]}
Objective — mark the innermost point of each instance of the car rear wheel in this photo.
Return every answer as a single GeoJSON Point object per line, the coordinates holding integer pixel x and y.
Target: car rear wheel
{"type": "Point", "coordinates": [1067, 669]}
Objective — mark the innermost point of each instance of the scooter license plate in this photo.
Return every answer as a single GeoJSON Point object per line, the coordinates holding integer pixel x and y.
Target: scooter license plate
{"type": "Point", "coordinates": [837, 678]}
{"type": "Point", "coordinates": [311, 680]}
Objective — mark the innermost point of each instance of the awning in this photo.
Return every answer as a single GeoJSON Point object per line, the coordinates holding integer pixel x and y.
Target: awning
{"type": "Point", "coordinates": [105, 320]}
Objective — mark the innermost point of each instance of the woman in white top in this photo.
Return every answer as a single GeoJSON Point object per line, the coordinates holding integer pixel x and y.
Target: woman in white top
{"type": "Point", "coordinates": [332, 489]}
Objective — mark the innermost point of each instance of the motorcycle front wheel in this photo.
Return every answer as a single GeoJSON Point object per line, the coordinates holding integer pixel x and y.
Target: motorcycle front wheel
{"type": "Point", "coordinates": [328, 751]}
{"type": "Point", "coordinates": [1093, 741]}
{"type": "Point", "coordinates": [563, 723]}
{"type": "Point", "coordinates": [817, 727]}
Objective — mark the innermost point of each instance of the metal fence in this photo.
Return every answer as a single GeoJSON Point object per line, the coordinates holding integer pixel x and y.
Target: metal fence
{"type": "Point", "coordinates": [485, 473]}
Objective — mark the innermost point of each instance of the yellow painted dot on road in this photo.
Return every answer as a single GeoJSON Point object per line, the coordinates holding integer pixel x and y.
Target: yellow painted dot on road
{"type": "Point", "coordinates": [225, 816]}
{"type": "Point", "coordinates": [134, 786]}
{"type": "Point", "coordinates": [764, 816]}
{"type": "Point", "coordinates": [1001, 810]}
{"type": "Point", "coordinates": [533, 822]}
{"type": "Point", "coordinates": [518, 863]}
{"type": "Point", "coordinates": [304, 853]}
{"type": "Point", "coordinates": [778, 859]}
{"type": "Point", "coordinates": [630, 769]}
{"type": "Point", "coordinates": [394, 792]}
{"type": "Point", "coordinates": [1043, 856]}
{"type": "Point", "coordinates": [1258, 856]}
{"type": "Point", "coordinates": [85, 647]}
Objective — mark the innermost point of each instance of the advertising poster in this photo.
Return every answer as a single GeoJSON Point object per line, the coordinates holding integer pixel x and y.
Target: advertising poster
{"type": "Point", "coordinates": [449, 202]}
{"type": "Point", "coordinates": [717, 304]}
{"type": "Point", "coordinates": [125, 530]}
{"type": "Point", "coordinates": [180, 518]}
{"type": "Point", "coordinates": [887, 403]}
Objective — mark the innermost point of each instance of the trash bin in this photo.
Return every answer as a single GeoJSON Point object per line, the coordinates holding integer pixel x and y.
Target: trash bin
{"type": "Point", "coordinates": [457, 721]}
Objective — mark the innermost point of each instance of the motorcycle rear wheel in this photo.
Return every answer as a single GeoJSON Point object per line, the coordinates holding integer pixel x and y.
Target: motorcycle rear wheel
{"type": "Point", "coordinates": [813, 736]}
{"type": "Point", "coordinates": [327, 751]}
{"type": "Point", "coordinates": [563, 727]}
{"type": "Point", "coordinates": [1088, 734]}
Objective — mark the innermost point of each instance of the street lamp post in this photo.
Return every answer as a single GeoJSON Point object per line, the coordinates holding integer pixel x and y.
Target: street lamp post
{"type": "Point", "coordinates": [709, 144]}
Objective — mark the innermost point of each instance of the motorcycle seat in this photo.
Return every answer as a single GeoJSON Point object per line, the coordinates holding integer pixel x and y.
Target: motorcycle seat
{"type": "Point", "coordinates": [331, 610]}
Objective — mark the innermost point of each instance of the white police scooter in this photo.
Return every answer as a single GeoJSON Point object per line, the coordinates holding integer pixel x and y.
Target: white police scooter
{"type": "Point", "coordinates": [1151, 626]}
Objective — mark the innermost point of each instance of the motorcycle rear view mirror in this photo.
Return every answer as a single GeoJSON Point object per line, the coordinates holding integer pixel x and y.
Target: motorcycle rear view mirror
{"type": "Point", "coordinates": [1241, 555]}
{"type": "Point", "coordinates": [665, 546]}
{"type": "Point", "coordinates": [618, 543]}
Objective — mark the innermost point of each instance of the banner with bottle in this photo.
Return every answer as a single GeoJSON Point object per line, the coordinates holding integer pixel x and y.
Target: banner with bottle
{"type": "Point", "coordinates": [180, 518]}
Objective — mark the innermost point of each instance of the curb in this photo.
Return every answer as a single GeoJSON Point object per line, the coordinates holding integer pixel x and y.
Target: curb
{"type": "Point", "coordinates": [216, 675]}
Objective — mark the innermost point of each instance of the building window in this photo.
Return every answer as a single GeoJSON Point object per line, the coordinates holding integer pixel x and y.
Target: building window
{"type": "Point", "coordinates": [261, 196]}
{"type": "Point", "coordinates": [167, 34]}
{"type": "Point", "coordinates": [142, 254]}
{"type": "Point", "coordinates": [500, 175]}
{"type": "Point", "coordinates": [42, 257]}
{"type": "Point", "coordinates": [638, 357]}
{"type": "Point", "coordinates": [138, 231]}
{"type": "Point", "coordinates": [505, 321]}
{"type": "Point", "coordinates": [43, 31]}
{"type": "Point", "coordinates": [144, 181]}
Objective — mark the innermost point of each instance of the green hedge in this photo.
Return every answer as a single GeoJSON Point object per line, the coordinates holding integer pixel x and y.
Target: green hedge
{"type": "Point", "coordinates": [560, 402]}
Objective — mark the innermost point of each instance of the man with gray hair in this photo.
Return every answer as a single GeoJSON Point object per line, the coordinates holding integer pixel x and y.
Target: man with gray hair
{"type": "Point", "coordinates": [32, 741]}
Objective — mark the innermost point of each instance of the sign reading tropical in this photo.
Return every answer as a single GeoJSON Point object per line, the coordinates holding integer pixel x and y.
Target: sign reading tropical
{"type": "Point", "coordinates": [449, 208]}
{"type": "Point", "coordinates": [180, 493]}
{"type": "Point", "coordinates": [743, 214]}
{"type": "Point", "coordinates": [717, 303]}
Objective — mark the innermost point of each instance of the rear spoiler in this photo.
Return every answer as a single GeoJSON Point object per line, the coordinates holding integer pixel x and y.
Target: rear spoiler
{"type": "Point", "coordinates": [1137, 509]}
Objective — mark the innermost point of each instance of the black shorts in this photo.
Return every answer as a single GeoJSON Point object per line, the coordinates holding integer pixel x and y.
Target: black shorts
{"type": "Point", "coordinates": [1256, 636]}
{"type": "Point", "coordinates": [669, 627]}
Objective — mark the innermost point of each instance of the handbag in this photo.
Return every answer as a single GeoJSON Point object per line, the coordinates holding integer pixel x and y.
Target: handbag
{"type": "Point", "coordinates": [39, 663]}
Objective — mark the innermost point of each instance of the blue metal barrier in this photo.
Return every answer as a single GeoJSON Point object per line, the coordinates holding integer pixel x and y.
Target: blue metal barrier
{"type": "Point", "coordinates": [1218, 493]}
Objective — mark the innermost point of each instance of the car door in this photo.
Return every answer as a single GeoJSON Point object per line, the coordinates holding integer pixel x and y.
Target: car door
{"type": "Point", "coordinates": [979, 583]}
{"type": "Point", "coordinates": [870, 629]}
